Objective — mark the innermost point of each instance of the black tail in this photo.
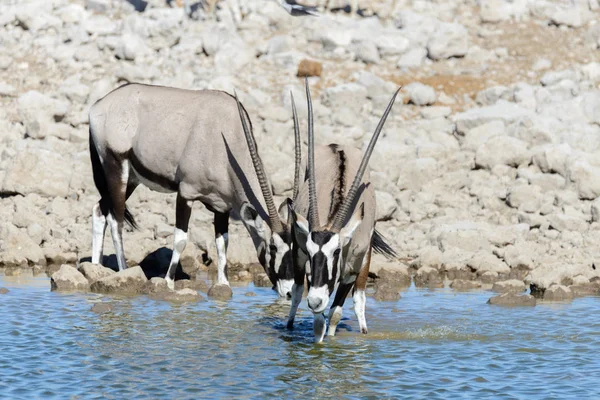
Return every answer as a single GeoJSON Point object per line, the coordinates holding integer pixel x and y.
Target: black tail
{"type": "Point", "coordinates": [102, 185]}
{"type": "Point", "coordinates": [381, 247]}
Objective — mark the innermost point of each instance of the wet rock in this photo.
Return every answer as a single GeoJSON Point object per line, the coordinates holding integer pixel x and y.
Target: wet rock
{"type": "Point", "coordinates": [420, 94]}
{"type": "Point", "coordinates": [510, 286]}
{"type": "Point", "coordinates": [178, 296]}
{"type": "Point", "coordinates": [558, 293]}
{"type": "Point", "coordinates": [94, 272]}
{"type": "Point", "coordinates": [220, 292]}
{"type": "Point", "coordinates": [102, 308]}
{"type": "Point", "coordinates": [261, 280]}
{"type": "Point", "coordinates": [387, 292]}
{"type": "Point", "coordinates": [398, 277]}
{"type": "Point", "coordinates": [309, 68]}
{"type": "Point", "coordinates": [68, 278]}
{"type": "Point", "coordinates": [512, 299]}
{"type": "Point", "coordinates": [244, 276]}
{"type": "Point", "coordinates": [585, 289]}
{"type": "Point", "coordinates": [157, 285]}
{"type": "Point", "coordinates": [461, 284]}
{"type": "Point", "coordinates": [250, 294]}
{"type": "Point", "coordinates": [3, 290]}
{"type": "Point", "coordinates": [428, 277]}
{"type": "Point", "coordinates": [198, 285]}
{"type": "Point", "coordinates": [130, 280]}
{"type": "Point", "coordinates": [448, 40]}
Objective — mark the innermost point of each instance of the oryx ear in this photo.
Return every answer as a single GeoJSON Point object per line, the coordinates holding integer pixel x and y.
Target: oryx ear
{"type": "Point", "coordinates": [251, 218]}
{"type": "Point", "coordinates": [348, 230]}
{"type": "Point", "coordinates": [299, 223]}
{"type": "Point", "coordinates": [284, 210]}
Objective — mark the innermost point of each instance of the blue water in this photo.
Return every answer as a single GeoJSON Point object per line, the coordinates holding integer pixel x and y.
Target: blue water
{"type": "Point", "coordinates": [429, 344]}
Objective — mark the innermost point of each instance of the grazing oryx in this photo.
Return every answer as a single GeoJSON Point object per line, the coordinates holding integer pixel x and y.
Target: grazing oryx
{"type": "Point", "coordinates": [194, 143]}
{"type": "Point", "coordinates": [337, 254]}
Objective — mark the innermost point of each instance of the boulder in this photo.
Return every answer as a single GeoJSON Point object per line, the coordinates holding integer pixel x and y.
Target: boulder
{"type": "Point", "coordinates": [130, 280]}
{"type": "Point", "coordinates": [420, 94]}
{"type": "Point", "coordinates": [39, 112]}
{"type": "Point", "coordinates": [102, 308]}
{"type": "Point", "coordinates": [94, 272]}
{"type": "Point", "coordinates": [512, 299]}
{"type": "Point", "coordinates": [387, 292]}
{"type": "Point", "coordinates": [4, 290]}
{"type": "Point", "coordinates": [68, 278]}
{"type": "Point", "coordinates": [428, 277]}
{"type": "Point", "coordinates": [395, 277]}
{"type": "Point", "coordinates": [261, 280]}
{"type": "Point", "coordinates": [198, 285]}
{"type": "Point", "coordinates": [44, 172]}
{"type": "Point", "coordinates": [503, 110]}
{"type": "Point", "coordinates": [448, 40]}
{"type": "Point", "coordinates": [502, 150]}
{"type": "Point", "coordinates": [509, 286]}
{"type": "Point", "coordinates": [461, 284]}
{"type": "Point", "coordinates": [558, 293]}
{"type": "Point", "coordinates": [220, 292]}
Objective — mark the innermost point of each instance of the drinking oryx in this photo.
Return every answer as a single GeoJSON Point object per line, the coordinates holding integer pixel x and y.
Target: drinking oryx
{"type": "Point", "coordinates": [194, 143]}
{"type": "Point", "coordinates": [336, 254]}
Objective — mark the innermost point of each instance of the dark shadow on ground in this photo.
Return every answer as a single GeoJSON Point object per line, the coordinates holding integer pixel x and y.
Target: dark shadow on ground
{"type": "Point", "coordinates": [154, 264]}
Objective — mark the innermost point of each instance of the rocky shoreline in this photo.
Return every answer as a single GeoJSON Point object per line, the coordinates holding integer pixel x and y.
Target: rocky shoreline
{"type": "Point", "coordinates": [488, 176]}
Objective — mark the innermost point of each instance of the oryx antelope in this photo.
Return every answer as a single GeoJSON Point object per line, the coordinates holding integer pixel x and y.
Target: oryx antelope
{"type": "Point", "coordinates": [194, 143]}
{"type": "Point", "coordinates": [335, 254]}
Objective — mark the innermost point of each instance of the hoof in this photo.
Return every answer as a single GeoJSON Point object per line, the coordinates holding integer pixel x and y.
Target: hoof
{"type": "Point", "coordinates": [170, 283]}
{"type": "Point", "coordinates": [364, 331]}
{"type": "Point", "coordinates": [290, 325]}
{"type": "Point", "coordinates": [220, 292]}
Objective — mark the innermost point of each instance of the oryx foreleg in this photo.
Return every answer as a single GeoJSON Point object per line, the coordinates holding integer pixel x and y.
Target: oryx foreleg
{"type": "Point", "coordinates": [335, 312]}
{"type": "Point", "coordinates": [183, 212]}
{"type": "Point", "coordinates": [222, 241]}
{"type": "Point", "coordinates": [359, 295]}
{"type": "Point", "coordinates": [298, 287]}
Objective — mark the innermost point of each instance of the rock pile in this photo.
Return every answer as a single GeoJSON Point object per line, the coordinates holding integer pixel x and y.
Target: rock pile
{"type": "Point", "coordinates": [489, 174]}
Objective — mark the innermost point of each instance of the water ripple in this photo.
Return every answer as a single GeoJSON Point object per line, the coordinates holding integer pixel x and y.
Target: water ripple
{"type": "Point", "coordinates": [430, 345]}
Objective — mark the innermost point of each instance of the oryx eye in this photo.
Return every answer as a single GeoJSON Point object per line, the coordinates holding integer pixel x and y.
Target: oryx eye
{"type": "Point", "coordinates": [336, 252]}
{"type": "Point", "coordinates": [273, 248]}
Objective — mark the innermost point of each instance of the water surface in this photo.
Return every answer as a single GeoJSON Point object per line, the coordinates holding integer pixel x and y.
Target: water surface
{"type": "Point", "coordinates": [429, 344]}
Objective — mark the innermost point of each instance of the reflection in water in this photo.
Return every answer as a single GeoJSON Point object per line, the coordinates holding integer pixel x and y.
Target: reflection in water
{"type": "Point", "coordinates": [429, 344]}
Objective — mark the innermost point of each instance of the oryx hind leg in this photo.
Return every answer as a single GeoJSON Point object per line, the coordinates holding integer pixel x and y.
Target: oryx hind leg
{"type": "Point", "coordinates": [98, 231]}
{"type": "Point", "coordinates": [335, 313]}
{"type": "Point", "coordinates": [183, 211]}
{"type": "Point", "coordinates": [117, 181]}
{"type": "Point", "coordinates": [359, 297]}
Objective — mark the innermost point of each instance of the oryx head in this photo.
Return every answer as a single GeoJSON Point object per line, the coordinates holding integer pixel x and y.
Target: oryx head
{"type": "Point", "coordinates": [272, 237]}
{"type": "Point", "coordinates": [324, 244]}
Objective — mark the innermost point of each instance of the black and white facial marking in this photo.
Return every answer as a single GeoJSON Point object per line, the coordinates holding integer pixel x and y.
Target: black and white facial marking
{"type": "Point", "coordinates": [324, 250]}
{"type": "Point", "coordinates": [279, 260]}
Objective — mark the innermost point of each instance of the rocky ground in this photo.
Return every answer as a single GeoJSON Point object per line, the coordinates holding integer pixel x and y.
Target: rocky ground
{"type": "Point", "coordinates": [487, 175]}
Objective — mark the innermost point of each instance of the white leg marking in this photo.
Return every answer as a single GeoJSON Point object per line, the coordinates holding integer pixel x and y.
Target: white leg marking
{"type": "Point", "coordinates": [360, 299]}
{"type": "Point", "coordinates": [319, 327]}
{"type": "Point", "coordinates": [117, 241]}
{"type": "Point", "coordinates": [222, 242]}
{"type": "Point", "coordinates": [335, 315]}
{"type": "Point", "coordinates": [179, 242]}
{"type": "Point", "coordinates": [125, 174]}
{"type": "Point", "coordinates": [98, 230]}
{"type": "Point", "coordinates": [297, 291]}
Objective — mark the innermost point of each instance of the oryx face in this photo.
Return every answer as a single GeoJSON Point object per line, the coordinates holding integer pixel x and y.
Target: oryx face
{"type": "Point", "coordinates": [324, 251]}
{"type": "Point", "coordinates": [278, 263]}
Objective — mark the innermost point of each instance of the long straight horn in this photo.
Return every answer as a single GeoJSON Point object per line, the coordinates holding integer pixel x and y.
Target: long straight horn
{"type": "Point", "coordinates": [340, 216]}
{"type": "Point", "coordinates": [298, 150]}
{"type": "Point", "coordinates": [312, 190]}
{"type": "Point", "coordinates": [274, 222]}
